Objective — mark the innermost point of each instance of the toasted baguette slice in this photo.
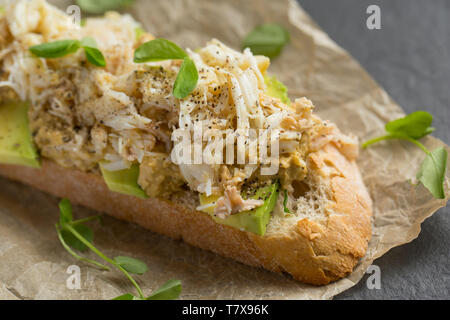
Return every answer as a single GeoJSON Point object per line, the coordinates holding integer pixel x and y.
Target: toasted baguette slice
{"type": "Point", "coordinates": [313, 250]}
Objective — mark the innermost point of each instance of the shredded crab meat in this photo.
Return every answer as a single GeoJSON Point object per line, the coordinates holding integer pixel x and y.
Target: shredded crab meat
{"type": "Point", "coordinates": [330, 133]}
{"type": "Point", "coordinates": [232, 202]}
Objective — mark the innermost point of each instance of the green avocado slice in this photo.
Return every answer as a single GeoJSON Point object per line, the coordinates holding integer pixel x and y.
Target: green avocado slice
{"type": "Point", "coordinates": [255, 220]}
{"type": "Point", "coordinates": [276, 89]}
{"type": "Point", "coordinates": [16, 143]}
{"type": "Point", "coordinates": [124, 181]}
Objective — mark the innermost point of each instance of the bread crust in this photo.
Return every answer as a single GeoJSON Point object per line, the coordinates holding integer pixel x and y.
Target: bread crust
{"type": "Point", "coordinates": [312, 252]}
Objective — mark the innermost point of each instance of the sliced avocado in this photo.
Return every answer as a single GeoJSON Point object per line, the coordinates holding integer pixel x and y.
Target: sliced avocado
{"type": "Point", "coordinates": [16, 143]}
{"type": "Point", "coordinates": [276, 89]}
{"type": "Point", "coordinates": [124, 181]}
{"type": "Point", "coordinates": [255, 220]}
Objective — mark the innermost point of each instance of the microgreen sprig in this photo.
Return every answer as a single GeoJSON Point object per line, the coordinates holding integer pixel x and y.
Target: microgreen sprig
{"type": "Point", "coordinates": [412, 128]}
{"type": "Point", "coordinates": [162, 49]}
{"type": "Point", "coordinates": [61, 48]}
{"type": "Point", "coordinates": [75, 235]}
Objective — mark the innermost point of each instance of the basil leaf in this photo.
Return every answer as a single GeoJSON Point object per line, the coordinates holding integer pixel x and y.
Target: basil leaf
{"type": "Point", "coordinates": [186, 80]}
{"type": "Point", "coordinates": [432, 172]}
{"type": "Point", "coordinates": [93, 54]}
{"type": "Point", "coordinates": [127, 296]}
{"type": "Point", "coordinates": [65, 212]}
{"type": "Point", "coordinates": [73, 242]}
{"type": "Point", "coordinates": [169, 291]}
{"type": "Point", "coordinates": [158, 50]}
{"type": "Point", "coordinates": [415, 125]}
{"type": "Point", "coordinates": [267, 39]}
{"type": "Point", "coordinates": [131, 265]}
{"type": "Point", "coordinates": [101, 6]}
{"type": "Point", "coordinates": [55, 49]}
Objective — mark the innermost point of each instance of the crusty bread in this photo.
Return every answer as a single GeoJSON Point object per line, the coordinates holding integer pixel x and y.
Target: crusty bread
{"type": "Point", "coordinates": [312, 251]}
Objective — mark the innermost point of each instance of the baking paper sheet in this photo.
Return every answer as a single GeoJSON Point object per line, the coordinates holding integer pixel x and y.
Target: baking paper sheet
{"type": "Point", "coordinates": [33, 265]}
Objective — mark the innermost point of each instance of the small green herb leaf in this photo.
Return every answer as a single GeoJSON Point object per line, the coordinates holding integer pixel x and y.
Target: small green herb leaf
{"type": "Point", "coordinates": [93, 54]}
{"type": "Point", "coordinates": [101, 6]}
{"type": "Point", "coordinates": [415, 125]}
{"type": "Point", "coordinates": [65, 212]}
{"type": "Point", "coordinates": [56, 49]}
{"type": "Point", "coordinates": [432, 172]}
{"type": "Point", "coordinates": [286, 209]}
{"type": "Point", "coordinates": [127, 296]}
{"type": "Point", "coordinates": [131, 265]}
{"type": "Point", "coordinates": [267, 39]}
{"type": "Point", "coordinates": [75, 243]}
{"type": "Point", "coordinates": [186, 80]}
{"type": "Point", "coordinates": [169, 291]}
{"type": "Point", "coordinates": [158, 50]}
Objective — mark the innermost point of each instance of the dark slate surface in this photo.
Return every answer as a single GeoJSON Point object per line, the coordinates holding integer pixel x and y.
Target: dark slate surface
{"type": "Point", "coordinates": [410, 58]}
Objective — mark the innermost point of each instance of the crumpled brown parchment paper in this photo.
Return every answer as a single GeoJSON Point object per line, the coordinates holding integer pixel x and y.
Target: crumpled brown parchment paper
{"type": "Point", "coordinates": [33, 265]}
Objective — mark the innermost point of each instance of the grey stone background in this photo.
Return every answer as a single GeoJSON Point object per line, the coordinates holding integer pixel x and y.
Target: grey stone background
{"type": "Point", "coordinates": [410, 58]}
